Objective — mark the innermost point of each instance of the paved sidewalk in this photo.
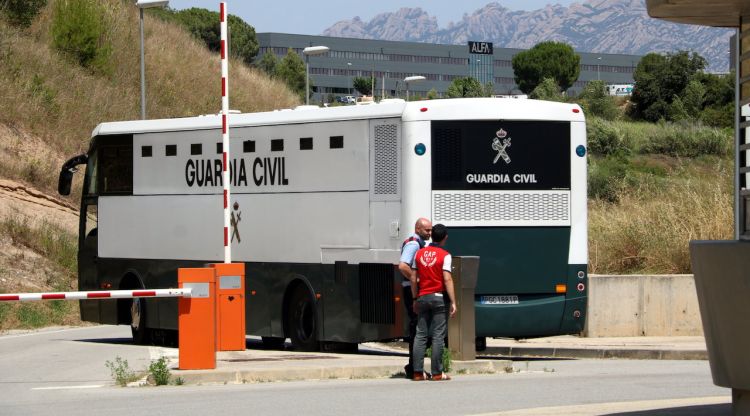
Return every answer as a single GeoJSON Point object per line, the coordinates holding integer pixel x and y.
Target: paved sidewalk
{"type": "Point", "coordinates": [377, 360]}
{"type": "Point", "coordinates": [568, 346]}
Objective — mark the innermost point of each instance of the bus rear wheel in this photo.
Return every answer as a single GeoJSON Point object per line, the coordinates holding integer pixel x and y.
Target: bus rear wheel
{"type": "Point", "coordinates": [302, 321]}
{"type": "Point", "coordinates": [141, 334]}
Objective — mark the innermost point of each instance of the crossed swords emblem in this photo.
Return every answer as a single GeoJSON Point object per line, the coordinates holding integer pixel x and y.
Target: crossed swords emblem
{"type": "Point", "coordinates": [234, 221]}
{"type": "Point", "coordinates": [500, 147]}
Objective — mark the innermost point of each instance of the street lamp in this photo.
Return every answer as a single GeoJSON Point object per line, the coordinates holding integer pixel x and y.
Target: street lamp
{"type": "Point", "coordinates": [598, 60]}
{"type": "Point", "coordinates": [311, 50]}
{"type": "Point", "coordinates": [414, 78]}
{"type": "Point", "coordinates": [146, 4]}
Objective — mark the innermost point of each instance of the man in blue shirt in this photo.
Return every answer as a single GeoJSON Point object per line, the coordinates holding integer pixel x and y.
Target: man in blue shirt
{"type": "Point", "coordinates": [409, 248]}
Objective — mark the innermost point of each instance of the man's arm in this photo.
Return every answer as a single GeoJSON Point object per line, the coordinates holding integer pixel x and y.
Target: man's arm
{"type": "Point", "coordinates": [414, 287]}
{"type": "Point", "coordinates": [448, 282]}
{"type": "Point", "coordinates": [407, 257]}
{"type": "Point", "coordinates": [405, 269]}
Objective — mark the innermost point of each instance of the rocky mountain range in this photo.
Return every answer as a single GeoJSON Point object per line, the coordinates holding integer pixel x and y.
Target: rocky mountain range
{"type": "Point", "coordinates": [599, 26]}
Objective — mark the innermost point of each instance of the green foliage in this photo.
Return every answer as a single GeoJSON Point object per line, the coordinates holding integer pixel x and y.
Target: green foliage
{"type": "Point", "coordinates": [596, 102]}
{"type": "Point", "coordinates": [432, 94]}
{"type": "Point", "coordinates": [30, 316]}
{"type": "Point", "coordinates": [268, 63]}
{"type": "Point", "coordinates": [159, 371]}
{"type": "Point", "coordinates": [121, 372]}
{"type": "Point", "coordinates": [718, 116]}
{"type": "Point", "coordinates": [547, 90]}
{"type": "Point", "coordinates": [689, 140]}
{"type": "Point", "coordinates": [606, 139]}
{"type": "Point", "coordinates": [79, 29]}
{"type": "Point", "coordinates": [659, 79]}
{"type": "Point", "coordinates": [447, 358]}
{"type": "Point", "coordinates": [465, 87]}
{"type": "Point", "coordinates": [363, 85]}
{"type": "Point", "coordinates": [546, 60]}
{"type": "Point", "coordinates": [21, 12]}
{"type": "Point", "coordinates": [205, 25]}
{"type": "Point", "coordinates": [47, 239]}
{"type": "Point", "coordinates": [291, 70]}
{"type": "Point", "coordinates": [606, 177]}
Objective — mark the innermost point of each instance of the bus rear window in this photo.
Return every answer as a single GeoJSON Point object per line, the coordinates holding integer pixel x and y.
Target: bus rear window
{"type": "Point", "coordinates": [500, 155]}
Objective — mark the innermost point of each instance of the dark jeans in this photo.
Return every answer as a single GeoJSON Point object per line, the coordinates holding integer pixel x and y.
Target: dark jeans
{"type": "Point", "coordinates": [431, 322]}
{"type": "Point", "coordinates": [408, 302]}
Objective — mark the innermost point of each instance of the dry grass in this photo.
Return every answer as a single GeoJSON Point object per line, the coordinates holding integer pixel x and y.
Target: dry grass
{"type": "Point", "coordinates": [45, 94]}
{"type": "Point", "coordinates": [649, 228]}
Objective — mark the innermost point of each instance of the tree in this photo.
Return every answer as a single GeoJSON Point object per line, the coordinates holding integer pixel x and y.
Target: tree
{"type": "Point", "coordinates": [595, 101]}
{"type": "Point", "coordinates": [268, 63]}
{"type": "Point", "coordinates": [80, 30]}
{"type": "Point", "coordinates": [547, 90]}
{"type": "Point", "coordinates": [659, 78]}
{"type": "Point", "coordinates": [465, 87]}
{"type": "Point", "coordinates": [546, 60]}
{"type": "Point", "coordinates": [363, 85]}
{"type": "Point", "coordinates": [291, 70]}
{"type": "Point", "coordinates": [204, 25]}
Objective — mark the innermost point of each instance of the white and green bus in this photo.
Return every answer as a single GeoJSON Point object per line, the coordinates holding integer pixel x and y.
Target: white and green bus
{"type": "Point", "coordinates": [322, 199]}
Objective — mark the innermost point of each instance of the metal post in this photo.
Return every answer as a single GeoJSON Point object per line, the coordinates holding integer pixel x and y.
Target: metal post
{"type": "Point", "coordinates": [307, 80]}
{"type": "Point", "coordinates": [143, 73]}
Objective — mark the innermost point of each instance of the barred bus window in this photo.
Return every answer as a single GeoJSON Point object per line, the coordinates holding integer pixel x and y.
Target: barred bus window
{"type": "Point", "coordinates": [219, 148]}
{"type": "Point", "coordinates": [146, 151]}
{"type": "Point", "coordinates": [337, 142]}
{"type": "Point", "coordinates": [305, 143]}
{"type": "Point", "coordinates": [277, 145]}
{"type": "Point", "coordinates": [171, 150]}
{"type": "Point", "coordinates": [248, 146]}
{"type": "Point", "coordinates": [196, 149]}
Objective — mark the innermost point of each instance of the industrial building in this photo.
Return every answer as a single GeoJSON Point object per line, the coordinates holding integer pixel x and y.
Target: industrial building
{"type": "Point", "coordinates": [389, 62]}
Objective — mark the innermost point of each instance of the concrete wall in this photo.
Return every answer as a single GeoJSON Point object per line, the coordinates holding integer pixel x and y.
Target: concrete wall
{"type": "Point", "coordinates": [642, 305]}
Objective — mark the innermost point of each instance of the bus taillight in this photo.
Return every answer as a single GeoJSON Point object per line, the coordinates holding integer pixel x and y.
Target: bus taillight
{"type": "Point", "coordinates": [560, 288]}
{"type": "Point", "coordinates": [581, 287]}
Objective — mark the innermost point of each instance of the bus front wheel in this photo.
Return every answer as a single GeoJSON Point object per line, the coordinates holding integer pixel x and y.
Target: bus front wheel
{"type": "Point", "coordinates": [301, 321]}
{"type": "Point", "coordinates": [141, 335]}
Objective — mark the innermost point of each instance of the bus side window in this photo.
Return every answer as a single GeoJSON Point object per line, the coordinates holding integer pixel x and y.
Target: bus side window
{"type": "Point", "coordinates": [91, 220]}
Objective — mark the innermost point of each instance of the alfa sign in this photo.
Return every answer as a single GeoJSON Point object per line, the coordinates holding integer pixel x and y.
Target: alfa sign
{"type": "Point", "coordinates": [481, 48]}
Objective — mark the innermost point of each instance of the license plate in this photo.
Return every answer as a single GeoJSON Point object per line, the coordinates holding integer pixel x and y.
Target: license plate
{"type": "Point", "coordinates": [499, 300]}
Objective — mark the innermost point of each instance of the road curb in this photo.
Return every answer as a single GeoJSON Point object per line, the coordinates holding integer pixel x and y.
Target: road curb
{"type": "Point", "coordinates": [265, 375]}
{"type": "Point", "coordinates": [596, 353]}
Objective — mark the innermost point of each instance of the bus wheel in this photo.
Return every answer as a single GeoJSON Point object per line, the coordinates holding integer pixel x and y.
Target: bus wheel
{"type": "Point", "coordinates": [141, 335]}
{"type": "Point", "coordinates": [301, 321]}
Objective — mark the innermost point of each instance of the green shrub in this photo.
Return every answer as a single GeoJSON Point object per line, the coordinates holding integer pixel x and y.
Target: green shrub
{"type": "Point", "coordinates": [30, 316]}
{"type": "Point", "coordinates": [547, 90]}
{"type": "Point", "coordinates": [79, 29]}
{"type": "Point", "coordinates": [688, 140]}
{"type": "Point", "coordinates": [606, 139]}
{"type": "Point", "coordinates": [606, 177]}
{"type": "Point", "coordinates": [21, 12]}
{"type": "Point", "coordinates": [596, 102]}
{"type": "Point", "coordinates": [721, 116]}
{"type": "Point", "coordinates": [159, 371]}
{"type": "Point", "coordinates": [121, 372]}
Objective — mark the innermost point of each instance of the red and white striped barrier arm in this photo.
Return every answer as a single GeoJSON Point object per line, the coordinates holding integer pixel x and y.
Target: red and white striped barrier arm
{"type": "Point", "coordinates": [109, 294]}
{"type": "Point", "coordinates": [225, 129]}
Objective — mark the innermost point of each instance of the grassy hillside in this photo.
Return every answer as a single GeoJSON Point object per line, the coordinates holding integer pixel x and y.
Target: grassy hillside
{"type": "Point", "coordinates": [46, 94]}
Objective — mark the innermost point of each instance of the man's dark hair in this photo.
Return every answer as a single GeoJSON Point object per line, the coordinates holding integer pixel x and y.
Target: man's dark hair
{"type": "Point", "coordinates": [439, 232]}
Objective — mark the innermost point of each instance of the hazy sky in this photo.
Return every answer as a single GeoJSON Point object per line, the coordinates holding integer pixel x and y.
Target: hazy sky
{"type": "Point", "coordinates": [313, 17]}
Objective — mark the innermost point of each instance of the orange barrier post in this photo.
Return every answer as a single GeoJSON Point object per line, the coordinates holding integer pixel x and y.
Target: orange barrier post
{"type": "Point", "coordinates": [230, 306]}
{"type": "Point", "coordinates": [197, 319]}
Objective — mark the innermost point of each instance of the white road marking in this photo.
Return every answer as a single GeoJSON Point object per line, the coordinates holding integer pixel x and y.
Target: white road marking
{"type": "Point", "coordinates": [95, 386]}
{"type": "Point", "coordinates": [3, 337]}
{"type": "Point", "coordinates": [596, 409]}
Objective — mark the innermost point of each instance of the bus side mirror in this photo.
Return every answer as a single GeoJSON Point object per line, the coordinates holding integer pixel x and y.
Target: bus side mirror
{"type": "Point", "coordinates": [67, 171]}
{"type": "Point", "coordinates": [63, 184]}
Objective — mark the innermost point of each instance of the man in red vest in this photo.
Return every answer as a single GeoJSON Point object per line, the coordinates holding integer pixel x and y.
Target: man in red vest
{"type": "Point", "coordinates": [432, 265]}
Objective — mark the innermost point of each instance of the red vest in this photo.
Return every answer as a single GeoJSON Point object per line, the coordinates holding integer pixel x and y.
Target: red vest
{"type": "Point", "coordinates": [429, 262]}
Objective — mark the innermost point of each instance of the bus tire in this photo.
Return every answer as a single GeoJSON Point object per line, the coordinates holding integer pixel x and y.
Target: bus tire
{"type": "Point", "coordinates": [302, 321]}
{"type": "Point", "coordinates": [141, 334]}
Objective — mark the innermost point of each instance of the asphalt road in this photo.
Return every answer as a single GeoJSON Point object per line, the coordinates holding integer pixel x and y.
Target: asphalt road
{"type": "Point", "coordinates": [63, 372]}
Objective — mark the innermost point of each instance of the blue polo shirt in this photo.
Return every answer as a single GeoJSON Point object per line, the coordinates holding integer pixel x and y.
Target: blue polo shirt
{"type": "Point", "coordinates": [409, 251]}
